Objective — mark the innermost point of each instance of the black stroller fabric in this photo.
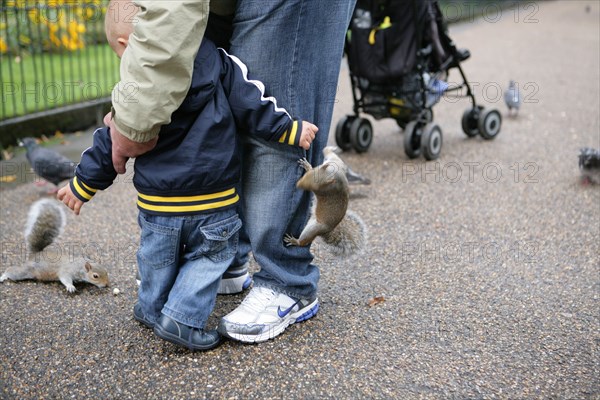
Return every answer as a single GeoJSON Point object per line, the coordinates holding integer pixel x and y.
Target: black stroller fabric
{"type": "Point", "coordinates": [385, 36]}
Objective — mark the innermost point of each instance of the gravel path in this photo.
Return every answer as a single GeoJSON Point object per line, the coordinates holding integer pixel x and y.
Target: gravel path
{"type": "Point", "coordinates": [488, 260]}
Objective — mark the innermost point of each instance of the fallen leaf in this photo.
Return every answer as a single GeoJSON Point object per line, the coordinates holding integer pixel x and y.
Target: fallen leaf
{"type": "Point", "coordinates": [8, 178]}
{"type": "Point", "coordinates": [376, 300]}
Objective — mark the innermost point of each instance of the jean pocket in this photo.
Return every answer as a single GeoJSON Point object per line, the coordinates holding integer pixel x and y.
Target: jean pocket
{"type": "Point", "coordinates": [158, 244]}
{"type": "Point", "coordinates": [220, 239]}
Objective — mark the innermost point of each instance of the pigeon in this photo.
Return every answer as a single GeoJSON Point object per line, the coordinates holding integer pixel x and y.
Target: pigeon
{"type": "Point", "coordinates": [589, 164]}
{"type": "Point", "coordinates": [512, 97]}
{"type": "Point", "coordinates": [355, 178]}
{"type": "Point", "coordinates": [47, 163]}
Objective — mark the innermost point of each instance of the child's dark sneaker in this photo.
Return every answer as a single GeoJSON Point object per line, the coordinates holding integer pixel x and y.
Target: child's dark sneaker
{"type": "Point", "coordinates": [139, 316]}
{"type": "Point", "coordinates": [193, 338]}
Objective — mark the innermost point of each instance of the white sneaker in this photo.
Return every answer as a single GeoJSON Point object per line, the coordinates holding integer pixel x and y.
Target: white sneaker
{"type": "Point", "coordinates": [235, 280]}
{"type": "Point", "coordinates": [264, 314]}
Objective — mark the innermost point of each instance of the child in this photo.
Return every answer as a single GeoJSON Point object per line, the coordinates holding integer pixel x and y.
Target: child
{"type": "Point", "coordinates": [186, 184]}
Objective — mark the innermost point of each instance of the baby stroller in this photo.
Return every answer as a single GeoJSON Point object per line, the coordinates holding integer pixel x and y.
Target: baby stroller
{"type": "Point", "coordinates": [399, 56]}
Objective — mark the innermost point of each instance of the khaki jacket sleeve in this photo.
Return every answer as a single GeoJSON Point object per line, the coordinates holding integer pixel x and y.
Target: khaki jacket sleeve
{"type": "Point", "coordinates": [156, 67]}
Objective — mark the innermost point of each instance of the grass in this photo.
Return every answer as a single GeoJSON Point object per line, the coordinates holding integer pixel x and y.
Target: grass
{"type": "Point", "coordinates": [36, 82]}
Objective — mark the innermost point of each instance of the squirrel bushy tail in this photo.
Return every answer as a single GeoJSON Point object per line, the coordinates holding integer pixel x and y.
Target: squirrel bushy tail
{"type": "Point", "coordinates": [349, 237]}
{"type": "Point", "coordinates": [45, 222]}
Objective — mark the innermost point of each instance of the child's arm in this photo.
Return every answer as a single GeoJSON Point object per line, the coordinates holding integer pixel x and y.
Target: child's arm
{"type": "Point", "coordinates": [257, 114]}
{"type": "Point", "coordinates": [94, 172]}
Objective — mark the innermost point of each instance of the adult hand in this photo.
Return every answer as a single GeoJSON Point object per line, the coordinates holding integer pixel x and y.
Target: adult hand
{"type": "Point", "coordinates": [124, 148]}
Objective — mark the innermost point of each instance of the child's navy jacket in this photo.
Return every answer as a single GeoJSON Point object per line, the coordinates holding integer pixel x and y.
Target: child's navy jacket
{"type": "Point", "coordinates": [195, 165]}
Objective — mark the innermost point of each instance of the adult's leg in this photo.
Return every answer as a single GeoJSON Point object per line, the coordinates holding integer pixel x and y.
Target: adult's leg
{"type": "Point", "coordinates": [295, 48]}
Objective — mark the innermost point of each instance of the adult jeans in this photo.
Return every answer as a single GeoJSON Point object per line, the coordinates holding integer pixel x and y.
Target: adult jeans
{"type": "Point", "coordinates": [295, 48]}
{"type": "Point", "coordinates": [181, 260]}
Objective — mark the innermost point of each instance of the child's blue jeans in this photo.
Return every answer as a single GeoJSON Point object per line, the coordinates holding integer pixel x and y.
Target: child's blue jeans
{"type": "Point", "coordinates": [181, 260]}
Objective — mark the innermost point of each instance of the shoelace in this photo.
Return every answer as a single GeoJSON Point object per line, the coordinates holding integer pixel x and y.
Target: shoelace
{"type": "Point", "coordinates": [258, 299]}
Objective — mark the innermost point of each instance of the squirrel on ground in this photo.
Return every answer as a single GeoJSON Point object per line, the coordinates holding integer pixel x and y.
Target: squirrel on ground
{"type": "Point", "coordinates": [339, 227]}
{"type": "Point", "coordinates": [45, 222]}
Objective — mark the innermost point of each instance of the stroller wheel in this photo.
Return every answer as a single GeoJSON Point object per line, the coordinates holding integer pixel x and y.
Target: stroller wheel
{"type": "Point", "coordinates": [361, 134]}
{"type": "Point", "coordinates": [342, 133]}
{"type": "Point", "coordinates": [412, 139]}
{"type": "Point", "coordinates": [470, 121]}
{"type": "Point", "coordinates": [431, 141]}
{"type": "Point", "coordinates": [490, 122]}
{"type": "Point", "coordinates": [428, 115]}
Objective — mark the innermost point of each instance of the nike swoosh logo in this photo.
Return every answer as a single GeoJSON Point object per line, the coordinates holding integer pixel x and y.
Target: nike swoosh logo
{"type": "Point", "coordinates": [282, 314]}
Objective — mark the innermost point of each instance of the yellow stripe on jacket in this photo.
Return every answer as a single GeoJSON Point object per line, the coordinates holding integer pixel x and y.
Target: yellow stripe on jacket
{"type": "Point", "coordinates": [187, 204]}
{"type": "Point", "coordinates": [292, 134]}
{"type": "Point", "coordinates": [86, 192]}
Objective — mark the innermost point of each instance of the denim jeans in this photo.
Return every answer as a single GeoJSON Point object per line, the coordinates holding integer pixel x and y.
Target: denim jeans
{"type": "Point", "coordinates": [181, 260]}
{"type": "Point", "coordinates": [295, 48]}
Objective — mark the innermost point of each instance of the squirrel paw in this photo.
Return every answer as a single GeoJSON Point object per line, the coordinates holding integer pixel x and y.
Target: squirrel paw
{"type": "Point", "coordinates": [305, 164]}
{"type": "Point", "coordinates": [3, 278]}
{"type": "Point", "coordinates": [290, 240]}
{"type": "Point", "coordinates": [71, 289]}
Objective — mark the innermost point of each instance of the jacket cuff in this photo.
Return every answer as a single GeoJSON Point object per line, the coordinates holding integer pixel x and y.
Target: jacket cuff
{"type": "Point", "coordinates": [82, 191]}
{"type": "Point", "coordinates": [132, 134]}
{"type": "Point", "coordinates": [291, 135]}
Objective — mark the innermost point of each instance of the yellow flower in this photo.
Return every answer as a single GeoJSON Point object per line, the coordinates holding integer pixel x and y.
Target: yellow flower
{"type": "Point", "coordinates": [55, 40]}
{"type": "Point", "coordinates": [8, 178]}
{"type": "Point", "coordinates": [89, 13]}
{"type": "Point", "coordinates": [34, 15]}
{"type": "Point", "coordinates": [62, 22]}
{"type": "Point", "coordinates": [72, 28]}
{"type": "Point", "coordinates": [3, 46]}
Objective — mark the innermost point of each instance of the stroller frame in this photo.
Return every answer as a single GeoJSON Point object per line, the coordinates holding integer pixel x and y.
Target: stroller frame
{"type": "Point", "coordinates": [387, 98]}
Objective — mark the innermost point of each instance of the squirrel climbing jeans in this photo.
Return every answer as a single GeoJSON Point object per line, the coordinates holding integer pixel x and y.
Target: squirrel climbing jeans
{"type": "Point", "coordinates": [181, 260]}
{"type": "Point", "coordinates": [295, 48]}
